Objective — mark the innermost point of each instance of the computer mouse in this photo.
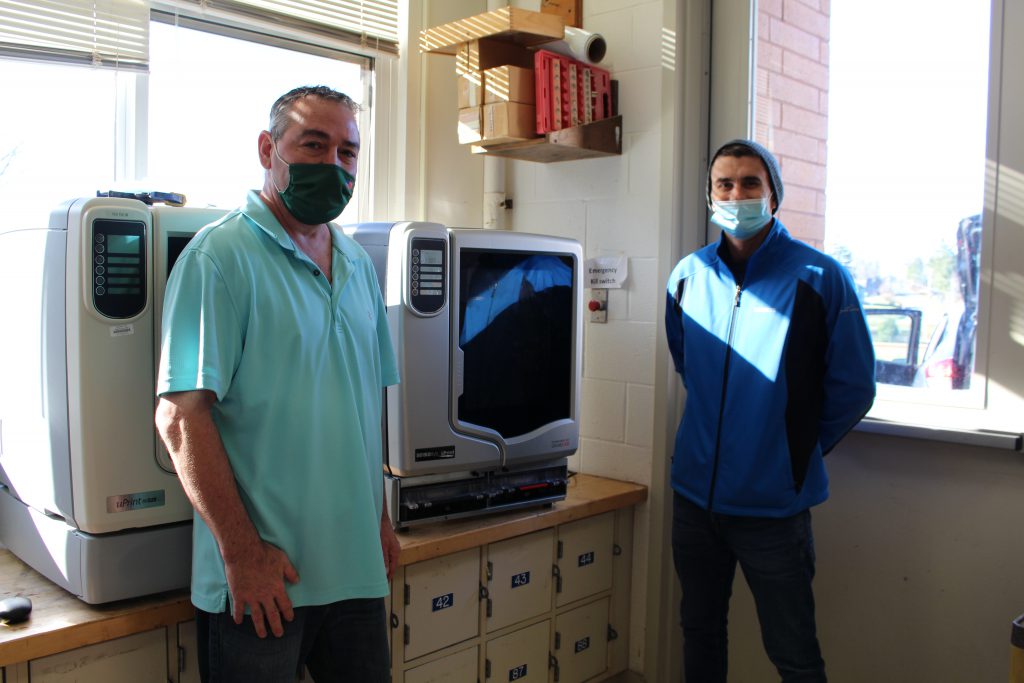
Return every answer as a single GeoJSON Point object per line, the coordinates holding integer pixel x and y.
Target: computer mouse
{"type": "Point", "coordinates": [14, 610]}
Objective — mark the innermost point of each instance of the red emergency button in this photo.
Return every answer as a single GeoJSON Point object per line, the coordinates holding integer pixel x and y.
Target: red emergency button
{"type": "Point", "coordinates": [594, 305]}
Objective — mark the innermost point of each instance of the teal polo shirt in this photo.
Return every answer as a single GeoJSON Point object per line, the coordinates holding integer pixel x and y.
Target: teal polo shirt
{"type": "Point", "coordinates": [298, 364]}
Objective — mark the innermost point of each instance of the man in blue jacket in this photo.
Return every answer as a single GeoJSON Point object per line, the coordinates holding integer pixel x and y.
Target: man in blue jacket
{"type": "Point", "coordinates": [770, 340]}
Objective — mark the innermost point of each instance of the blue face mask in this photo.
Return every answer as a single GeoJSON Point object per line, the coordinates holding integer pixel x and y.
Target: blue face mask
{"type": "Point", "coordinates": [742, 218]}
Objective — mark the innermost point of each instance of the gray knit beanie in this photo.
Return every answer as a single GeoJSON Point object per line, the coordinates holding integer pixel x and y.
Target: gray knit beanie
{"type": "Point", "coordinates": [770, 163]}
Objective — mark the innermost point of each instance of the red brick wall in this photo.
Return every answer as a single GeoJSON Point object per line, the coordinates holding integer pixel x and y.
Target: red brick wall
{"type": "Point", "coordinates": [792, 106]}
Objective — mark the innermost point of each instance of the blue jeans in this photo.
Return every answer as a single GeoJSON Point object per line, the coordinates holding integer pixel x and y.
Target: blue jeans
{"type": "Point", "coordinates": [343, 641]}
{"type": "Point", "coordinates": [777, 558]}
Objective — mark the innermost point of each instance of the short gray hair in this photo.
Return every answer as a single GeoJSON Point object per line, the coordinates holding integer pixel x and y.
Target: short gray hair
{"type": "Point", "coordinates": [279, 113]}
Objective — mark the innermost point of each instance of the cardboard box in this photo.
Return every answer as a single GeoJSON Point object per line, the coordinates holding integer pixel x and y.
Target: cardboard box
{"type": "Point", "coordinates": [509, 84]}
{"type": "Point", "coordinates": [469, 125]}
{"type": "Point", "coordinates": [508, 122]}
{"type": "Point", "coordinates": [483, 54]}
{"type": "Point", "coordinates": [471, 89]}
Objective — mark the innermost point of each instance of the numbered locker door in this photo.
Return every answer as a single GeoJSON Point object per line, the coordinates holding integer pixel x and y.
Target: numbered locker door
{"type": "Point", "coordinates": [460, 667]}
{"type": "Point", "coordinates": [519, 578]}
{"type": "Point", "coordinates": [584, 558]}
{"type": "Point", "coordinates": [519, 656]}
{"type": "Point", "coordinates": [581, 642]}
{"type": "Point", "coordinates": [138, 657]}
{"type": "Point", "coordinates": [442, 602]}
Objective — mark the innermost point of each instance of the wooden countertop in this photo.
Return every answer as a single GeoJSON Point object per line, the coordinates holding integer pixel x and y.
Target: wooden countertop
{"type": "Point", "coordinates": [61, 622]}
{"type": "Point", "coordinates": [587, 496]}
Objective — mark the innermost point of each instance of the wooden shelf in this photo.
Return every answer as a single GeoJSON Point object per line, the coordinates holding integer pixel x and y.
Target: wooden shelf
{"type": "Point", "coordinates": [510, 24]}
{"type": "Point", "coordinates": [523, 28]}
{"type": "Point", "coordinates": [599, 139]}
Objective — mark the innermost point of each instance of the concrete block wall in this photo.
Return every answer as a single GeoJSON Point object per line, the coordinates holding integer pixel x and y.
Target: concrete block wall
{"type": "Point", "coordinates": [792, 106]}
{"type": "Point", "coordinates": [611, 205]}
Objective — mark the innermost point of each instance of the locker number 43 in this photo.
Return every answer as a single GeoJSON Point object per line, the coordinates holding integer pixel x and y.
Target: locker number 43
{"type": "Point", "coordinates": [520, 579]}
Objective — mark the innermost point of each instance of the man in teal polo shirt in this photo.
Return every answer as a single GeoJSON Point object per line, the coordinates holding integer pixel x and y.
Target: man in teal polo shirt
{"type": "Point", "coordinates": [275, 354]}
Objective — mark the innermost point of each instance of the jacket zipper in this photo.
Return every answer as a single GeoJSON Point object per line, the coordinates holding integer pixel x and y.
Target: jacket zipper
{"type": "Point", "coordinates": [725, 383]}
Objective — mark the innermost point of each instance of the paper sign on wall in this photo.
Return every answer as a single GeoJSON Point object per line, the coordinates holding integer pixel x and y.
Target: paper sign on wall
{"type": "Point", "coordinates": [606, 272]}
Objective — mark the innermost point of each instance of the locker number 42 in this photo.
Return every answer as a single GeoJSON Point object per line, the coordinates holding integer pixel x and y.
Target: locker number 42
{"type": "Point", "coordinates": [443, 602]}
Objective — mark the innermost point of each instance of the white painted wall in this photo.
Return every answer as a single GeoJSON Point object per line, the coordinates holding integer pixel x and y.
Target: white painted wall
{"type": "Point", "coordinates": [613, 207]}
{"type": "Point", "coordinates": [920, 565]}
{"type": "Point", "coordinates": [452, 177]}
{"type": "Point", "coordinates": [920, 551]}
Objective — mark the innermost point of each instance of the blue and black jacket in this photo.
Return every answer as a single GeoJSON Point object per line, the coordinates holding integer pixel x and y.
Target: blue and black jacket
{"type": "Point", "coordinates": [777, 366]}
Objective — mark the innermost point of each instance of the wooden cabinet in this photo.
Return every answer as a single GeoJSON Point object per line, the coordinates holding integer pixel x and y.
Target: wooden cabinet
{"type": "Point", "coordinates": [138, 657]}
{"type": "Point", "coordinates": [549, 606]}
{"type": "Point", "coordinates": [522, 655]}
{"type": "Point", "coordinates": [459, 666]}
{"type": "Point", "coordinates": [584, 564]}
{"type": "Point", "coordinates": [518, 573]}
{"type": "Point", "coordinates": [186, 660]}
{"type": "Point", "coordinates": [581, 642]}
{"type": "Point", "coordinates": [456, 571]}
{"type": "Point", "coordinates": [14, 673]}
{"type": "Point", "coordinates": [441, 603]}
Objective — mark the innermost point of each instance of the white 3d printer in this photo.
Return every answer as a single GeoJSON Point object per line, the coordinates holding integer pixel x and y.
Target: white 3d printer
{"type": "Point", "coordinates": [487, 329]}
{"type": "Point", "coordinates": [88, 496]}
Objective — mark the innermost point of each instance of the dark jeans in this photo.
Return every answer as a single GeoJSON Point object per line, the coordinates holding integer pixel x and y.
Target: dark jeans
{"type": "Point", "coordinates": [777, 558]}
{"type": "Point", "coordinates": [344, 641]}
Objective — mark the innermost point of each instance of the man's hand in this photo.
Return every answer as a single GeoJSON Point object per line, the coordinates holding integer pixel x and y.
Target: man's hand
{"type": "Point", "coordinates": [257, 581]}
{"type": "Point", "coordinates": [255, 570]}
{"type": "Point", "coordinates": [389, 544]}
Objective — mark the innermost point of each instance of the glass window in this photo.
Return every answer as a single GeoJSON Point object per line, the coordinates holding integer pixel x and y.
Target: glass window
{"type": "Point", "coordinates": [56, 140]}
{"type": "Point", "coordinates": [209, 98]}
{"type": "Point", "coordinates": [883, 151]}
{"type": "Point", "coordinates": [189, 126]}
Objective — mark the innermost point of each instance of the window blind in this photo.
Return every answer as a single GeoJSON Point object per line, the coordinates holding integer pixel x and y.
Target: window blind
{"type": "Point", "coordinates": [116, 32]}
{"type": "Point", "coordinates": [98, 32]}
{"type": "Point", "coordinates": [365, 23]}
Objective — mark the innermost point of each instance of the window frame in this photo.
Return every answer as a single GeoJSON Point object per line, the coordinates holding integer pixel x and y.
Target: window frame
{"type": "Point", "coordinates": [380, 192]}
{"type": "Point", "coordinates": [377, 121]}
{"type": "Point", "coordinates": [991, 412]}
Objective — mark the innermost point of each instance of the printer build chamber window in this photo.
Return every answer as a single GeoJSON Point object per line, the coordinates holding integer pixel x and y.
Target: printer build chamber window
{"type": "Point", "coordinates": [516, 335]}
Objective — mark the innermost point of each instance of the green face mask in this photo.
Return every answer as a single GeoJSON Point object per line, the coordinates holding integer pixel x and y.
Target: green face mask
{"type": "Point", "coordinates": [316, 193]}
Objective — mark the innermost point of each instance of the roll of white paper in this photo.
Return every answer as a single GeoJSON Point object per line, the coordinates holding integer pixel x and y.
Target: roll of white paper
{"type": "Point", "coordinates": [579, 44]}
